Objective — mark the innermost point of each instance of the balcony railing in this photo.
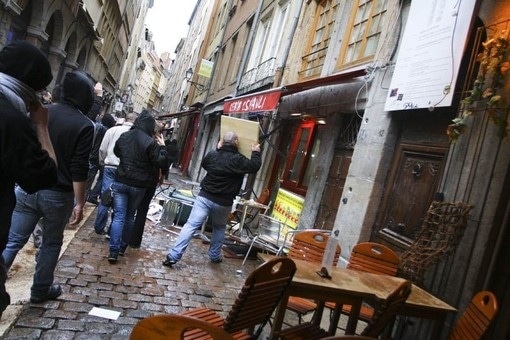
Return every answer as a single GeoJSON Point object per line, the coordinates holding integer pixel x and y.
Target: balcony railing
{"type": "Point", "coordinates": [258, 76]}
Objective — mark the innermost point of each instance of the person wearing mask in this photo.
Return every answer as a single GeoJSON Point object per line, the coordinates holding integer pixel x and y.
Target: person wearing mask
{"type": "Point", "coordinates": [135, 240]}
{"type": "Point", "coordinates": [92, 192]}
{"type": "Point", "coordinates": [27, 157]}
{"type": "Point", "coordinates": [109, 162]}
{"type": "Point", "coordinates": [139, 151]}
{"type": "Point", "coordinates": [226, 168]}
{"type": "Point", "coordinates": [71, 134]}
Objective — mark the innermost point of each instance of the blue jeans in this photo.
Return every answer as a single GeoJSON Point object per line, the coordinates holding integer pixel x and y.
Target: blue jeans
{"type": "Point", "coordinates": [55, 207]}
{"type": "Point", "coordinates": [126, 200]}
{"type": "Point", "coordinates": [202, 207]}
{"type": "Point", "coordinates": [102, 211]}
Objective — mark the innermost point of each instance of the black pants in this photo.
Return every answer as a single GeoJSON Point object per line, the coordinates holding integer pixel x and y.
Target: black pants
{"type": "Point", "coordinates": [141, 216]}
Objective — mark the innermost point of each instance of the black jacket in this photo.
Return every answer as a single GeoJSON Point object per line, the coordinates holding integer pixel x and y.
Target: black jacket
{"type": "Point", "coordinates": [226, 168]}
{"type": "Point", "coordinates": [71, 132]}
{"type": "Point", "coordinates": [140, 156]}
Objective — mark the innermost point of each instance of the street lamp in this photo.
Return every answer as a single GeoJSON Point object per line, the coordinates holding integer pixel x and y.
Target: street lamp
{"type": "Point", "coordinates": [189, 77]}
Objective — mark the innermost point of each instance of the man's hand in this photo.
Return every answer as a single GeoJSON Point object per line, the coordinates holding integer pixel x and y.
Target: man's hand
{"type": "Point", "coordinates": [255, 147]}
{"type": "Point", "coordinates": [77, 215]}
{"type": "Point", "coordinates": [98, 89]}
{"type": "Point", "coordinates": [159, 139]}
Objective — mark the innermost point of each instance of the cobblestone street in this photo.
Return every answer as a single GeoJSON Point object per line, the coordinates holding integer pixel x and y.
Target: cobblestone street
{"type": "Point", "coordinates": [137, 286]}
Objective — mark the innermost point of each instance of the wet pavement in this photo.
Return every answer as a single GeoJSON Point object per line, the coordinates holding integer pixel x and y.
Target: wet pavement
{"type": "Point", "coordinates": [137, 286]}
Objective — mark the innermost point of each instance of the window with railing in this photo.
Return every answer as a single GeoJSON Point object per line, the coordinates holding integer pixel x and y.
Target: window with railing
{"type": "Point", "coordinates": [325, 17]}
{"type": "Point", "coordinates": [368, 18]}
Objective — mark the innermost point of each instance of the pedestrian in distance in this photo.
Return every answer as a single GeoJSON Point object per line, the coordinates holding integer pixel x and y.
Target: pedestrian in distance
{"type": "Point", "coordinates": [93, 189]}
{"type": "Point", "coordinates": [71, 134]}
{"type": "Point", "coordinates": [109, 162]}
{"type": "Point", "coordinates": [27, 157]}
{"type": "Point", "coordinates": [172, 150]}
{"type": "Point", "coordinates": [139, 151]}
{"type": "Point", "coordinates": [226, 168]}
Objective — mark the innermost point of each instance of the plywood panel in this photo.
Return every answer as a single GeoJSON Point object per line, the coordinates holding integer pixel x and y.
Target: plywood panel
{"type": "Point", "coordinates": [247, 131]}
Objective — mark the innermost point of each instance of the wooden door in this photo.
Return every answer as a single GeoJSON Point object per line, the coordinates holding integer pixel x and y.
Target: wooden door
{"type": "Point", "coordinates": [333, 190]}
{"type": "Point", "coordinates": [411, 187]}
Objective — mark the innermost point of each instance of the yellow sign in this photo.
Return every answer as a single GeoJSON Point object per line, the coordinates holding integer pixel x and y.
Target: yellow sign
{"type": "Point", "coordinates": [205, 69]}
{"type": "Point", "coordinates": [287, 209]}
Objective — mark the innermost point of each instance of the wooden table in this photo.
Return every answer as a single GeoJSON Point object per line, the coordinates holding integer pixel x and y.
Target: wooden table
{"type": "Point", "coordinates": [353, 287]}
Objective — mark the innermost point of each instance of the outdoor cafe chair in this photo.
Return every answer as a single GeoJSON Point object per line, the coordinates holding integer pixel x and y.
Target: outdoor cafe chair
{"type": "Point", "coordinates": [269, 236]}
{"type": "Point", "coordinates": [477, 317]}
{"type": "Point", "coordinates": [383, 316]}
{"type": "Point", "coordinates": [252, 213]}
{"type": "Point", "coordinates": [175, 326]}
{"type": "Point", "coordinates": [308, 245]}
{"type": "Point", "coordinates": [372, 258]}
{"type": "Point", "coordinates": [255, 303]}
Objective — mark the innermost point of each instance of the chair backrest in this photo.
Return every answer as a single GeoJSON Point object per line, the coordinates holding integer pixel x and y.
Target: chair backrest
{"type": "Point", "coordinates": [269, 229]}
{"type": "Point", "coordinates": [173, 326]}
{"type": "Point", "coordinates": [477, 317]}
{"type": "Point", "coordinates": [310, 245]}
{"type": "Point", "coordinates": [374, 258]}
{"type": "Point", "coordinates": [388, 310]}
{"type": "Point", "coordinates": [260, 295]}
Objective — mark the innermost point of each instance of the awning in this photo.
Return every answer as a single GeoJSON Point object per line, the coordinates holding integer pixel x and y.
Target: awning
{"type": "Point", "coordinates": [268, 100]}
{"type": "Point", "coordinates": [256, 102]}
{"type": "Point", "coordinates": [179, 114]}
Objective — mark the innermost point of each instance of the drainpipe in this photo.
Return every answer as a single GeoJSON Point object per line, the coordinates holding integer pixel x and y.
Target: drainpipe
{"type": "Point", "coordinates": [295, 21]}
{"type": "Point", "coordinates": [249, 45]}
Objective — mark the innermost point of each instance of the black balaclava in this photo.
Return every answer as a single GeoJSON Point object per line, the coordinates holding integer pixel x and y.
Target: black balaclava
{"type": "Point", "coordinates": [145, 122]}
{"type": "Point", "coordinates": [25, 62]}
{"type": "Point", "coordinates": [78, 91]}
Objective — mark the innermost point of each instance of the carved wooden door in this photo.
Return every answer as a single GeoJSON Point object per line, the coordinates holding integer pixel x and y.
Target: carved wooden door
{"type": "Point", "coordinates": [412, 185]}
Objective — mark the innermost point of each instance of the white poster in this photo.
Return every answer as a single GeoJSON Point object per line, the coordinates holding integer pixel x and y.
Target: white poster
{"type": "Point", "coordinates": [430, 53]}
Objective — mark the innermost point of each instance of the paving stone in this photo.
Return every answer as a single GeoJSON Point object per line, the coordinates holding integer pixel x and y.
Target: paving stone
{"type": "Point", "coordinates": [31, 322]}
{"type": "Point", "coordinates": [58, 335]}
{"type": "Point", "coordinates": [71, 325]}
{"type": "Point", "coordinates": [60, 314]}
{"type": "Point", "coordinates": [24, 333]}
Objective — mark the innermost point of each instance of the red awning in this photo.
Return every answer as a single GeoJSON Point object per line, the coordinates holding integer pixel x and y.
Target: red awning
{"type": "Point", "coordinates": [257, 102]}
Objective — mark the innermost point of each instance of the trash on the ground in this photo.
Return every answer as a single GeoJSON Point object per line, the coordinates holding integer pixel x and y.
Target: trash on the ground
{"type": "Point", "coordinates": [104, 313]}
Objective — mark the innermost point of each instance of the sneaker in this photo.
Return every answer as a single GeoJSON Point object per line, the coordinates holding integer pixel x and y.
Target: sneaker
{"type": "Point", "coordinates": [53, 293]}
{"type": "Point", "coordinates": [218, 260]}
{"type": "Point", "coordinates": [112, 258]}
{"type": "Point", "coordinates": [169, 262]}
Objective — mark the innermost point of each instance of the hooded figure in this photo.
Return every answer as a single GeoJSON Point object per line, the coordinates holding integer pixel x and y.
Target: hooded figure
{"type": "Point", "coordinates": [71, 134]}
{"type": "Point", "coordinates": [139, 153]}
{"type": "Point", "coordinates": [24, 157]}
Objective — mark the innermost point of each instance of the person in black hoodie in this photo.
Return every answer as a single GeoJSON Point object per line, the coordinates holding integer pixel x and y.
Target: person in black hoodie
{"type": "Point", "coordinates": [27, 157]}
{"type": "Point", "coordinates": [139, 151]}
{"type": "Point", "coordinates": [71, 134]}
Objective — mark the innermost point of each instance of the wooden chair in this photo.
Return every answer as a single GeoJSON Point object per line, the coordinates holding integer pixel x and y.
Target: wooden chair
{"type": "Point", "coordinates": [477, 317]}
{"type": "Point", "coordinates": [388, 310]}
{"type": "Point", "coordinates": [308, 245]}
{"type": "Point", "coordinates": [373, 258]}
{"type": "Point", "coordinates": [174, 326]}
{"type": "Point", "coordinates": [255, 303]}
{"type": "Point", "coordinates": [382, 317]}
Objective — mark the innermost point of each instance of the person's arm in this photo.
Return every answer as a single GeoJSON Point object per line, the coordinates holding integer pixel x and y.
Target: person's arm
{"type": "Point", "coordinates": [39, 117]}
{"type": "Point", "coordinates": [79, 199]}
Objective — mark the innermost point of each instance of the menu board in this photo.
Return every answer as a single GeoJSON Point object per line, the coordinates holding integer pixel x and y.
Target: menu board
{"type": "Point", "coordinates": [430, 53]}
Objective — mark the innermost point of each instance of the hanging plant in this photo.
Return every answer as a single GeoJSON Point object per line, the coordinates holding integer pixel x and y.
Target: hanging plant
{"type": "Point", "coordinates": [493, 67]}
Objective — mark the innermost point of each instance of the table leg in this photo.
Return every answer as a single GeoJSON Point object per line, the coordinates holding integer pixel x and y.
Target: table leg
{"type": "Point", "coordinates": [350, 329]}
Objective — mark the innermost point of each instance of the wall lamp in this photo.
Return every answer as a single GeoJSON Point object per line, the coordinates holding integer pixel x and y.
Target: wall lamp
{"type": "Point", "coordinates": [189, 77]}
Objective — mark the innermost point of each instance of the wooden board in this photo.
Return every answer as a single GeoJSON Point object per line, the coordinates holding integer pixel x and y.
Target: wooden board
{"type": "Point", "coordinates": [247, 131]}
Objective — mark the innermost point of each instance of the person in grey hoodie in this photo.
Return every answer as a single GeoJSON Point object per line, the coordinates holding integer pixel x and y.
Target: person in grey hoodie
{"type": "Point", "coordinates": [71, 134]}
